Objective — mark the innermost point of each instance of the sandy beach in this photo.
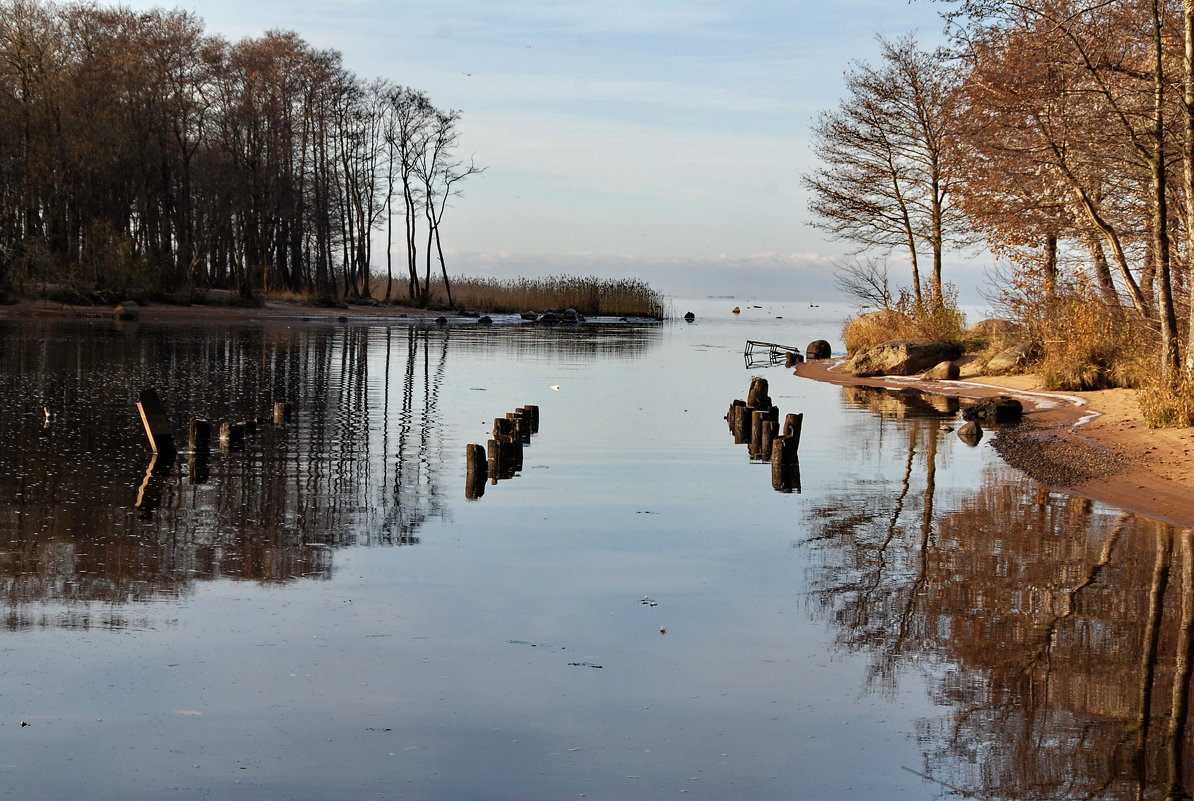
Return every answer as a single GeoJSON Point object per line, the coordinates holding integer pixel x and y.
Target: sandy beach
{"type": "Point", "coordinates": [1143, 470]}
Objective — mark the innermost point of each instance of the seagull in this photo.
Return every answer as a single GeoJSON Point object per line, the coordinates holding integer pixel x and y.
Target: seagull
{"type": "Point", "coordinates": [556, 387]}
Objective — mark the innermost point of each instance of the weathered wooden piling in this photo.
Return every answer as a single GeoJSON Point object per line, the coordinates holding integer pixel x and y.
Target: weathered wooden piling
{"type": "Point", "coordinates": [476, 471]}
{"type": "Point", "coordinates": [157, 425]}
{"type": "Point", "coordinates": [199, 467]}
{"type": "Point", "coordinates": [766, 438]}
{"type": "Point", "coordinates": [785, 465]}
{"type": "Point", "coordinates": [792, 425]}
{"type": "Point", "coordinates": [522, 425]}
{"type": "Point", "coordinates": [503, 430]}
{"type": "Point", "coordinates": [757, 418]}
{"type": "Point", "coordinates": [757, 397]}
{"type": "Point", "coordinates": [232, 436]}
{"type": "Point", "coordinates": [199, 435]}
{"type": "Point", "coordinates": [743, 417]}
{"type": "Point", "coordinates": [732, 416]}
{"type": "Point", "coordinates": [283, 410]}
{"type": "Point", "coordinates": [504, 459]}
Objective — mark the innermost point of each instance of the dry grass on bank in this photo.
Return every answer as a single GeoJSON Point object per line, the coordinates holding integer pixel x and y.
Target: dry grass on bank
{"type": "Point", "coordinates": [906, 320]}
{"type": "Point", "coordinates": [591, 296]}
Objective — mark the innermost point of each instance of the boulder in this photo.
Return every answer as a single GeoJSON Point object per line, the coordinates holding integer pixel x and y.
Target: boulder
{"type": "Point", "coordinates": [970, 433]}
{"type": "Point", "coordinates": [128, 310]}
{"type": "Point", "coordinates": [993, 327]}
{"type": "Point", "coordinates": [998, 410]}
{"type": "Point", "coordinates": [902, 357]}
{"type": "Point", "coordinates": [818, 349]}
{"type": "Point", "coordinates": [689, 317]}
{"type": "Point", "coordinates": [945, 371]}
{"type": "Point", "coordinates": [1010, 359]}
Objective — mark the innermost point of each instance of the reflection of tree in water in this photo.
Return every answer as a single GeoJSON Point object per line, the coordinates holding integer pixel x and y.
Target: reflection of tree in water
{"type": "Point", "coordinates": [876, 549]}
{"type": "Point", "coordinates": [359, 465]}
{"type": "Point", "coordinates": [1058, 636]}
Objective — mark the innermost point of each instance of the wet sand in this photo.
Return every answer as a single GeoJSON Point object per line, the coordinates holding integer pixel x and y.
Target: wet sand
{"type": "Point", "coordinates": [1092, 443]}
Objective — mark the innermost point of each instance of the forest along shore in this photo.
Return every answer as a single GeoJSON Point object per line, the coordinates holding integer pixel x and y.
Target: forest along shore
{"type": "Point", "coordinates": [1092, 443]}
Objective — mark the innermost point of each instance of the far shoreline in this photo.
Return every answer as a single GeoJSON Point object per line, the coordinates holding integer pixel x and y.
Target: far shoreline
{"type": "Point", "coordinates": [1149, 472]}
{"type": "Point", "coordinates": [272, 311]}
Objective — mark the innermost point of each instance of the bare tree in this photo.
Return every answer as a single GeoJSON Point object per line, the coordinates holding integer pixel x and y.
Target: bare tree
{"type": "Point", "coordinates": [887, 179]}
{"type": "Point", "coordinates": [439, 172]}
{"type": "Point", "coordinates": [864, 279]}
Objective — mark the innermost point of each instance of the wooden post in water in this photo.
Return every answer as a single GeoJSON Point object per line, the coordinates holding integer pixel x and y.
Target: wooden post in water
{"type": "Point", "coordinates": [766, 439]}
{"type": "Point", "coordinates": [533, 414]}
{"type": "Point", "coordinates": [743, 417]}
{"type": "Point", "coordinates": [232, 436]}
{"type": "Point", "coordinates": [503, 429]}
{"type": "Point", "coordinates": [757, 397]}
{"type": "Point", "coordinates": [282, 412]}
{"type": "Point", "coordinates": [157, 425]}
{"type": "Point", "coordinates": [732, 414]}
{"type": "Point", "coordinates": [199, 435]}
{"type": "Point", "coordinates": [785, 465]}
{"type": "Point", "coordinates": [476, 471]}
{"type": "Point", "coordinates": [520, 426]}
{"type": "Point", "coordinates": [756, 432]}
{"type": "Point", "coordinates": [494, 460]}
{"type": "Point", "coordinates": [792, 425]}
{"type": "Point", "coordinates": [777, 463]}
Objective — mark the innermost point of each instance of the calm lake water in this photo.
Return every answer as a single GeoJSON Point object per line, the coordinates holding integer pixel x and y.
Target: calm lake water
{"type": "Point", "coordinates": [637, 614]}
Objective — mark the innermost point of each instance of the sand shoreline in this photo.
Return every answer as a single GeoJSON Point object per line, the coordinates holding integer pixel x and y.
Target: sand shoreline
{"type": "Point", "coordinates": [1146, 471]}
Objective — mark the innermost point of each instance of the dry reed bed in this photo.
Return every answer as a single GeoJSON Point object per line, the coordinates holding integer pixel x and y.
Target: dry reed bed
{"type": "Point", "coordinates": [626, 297]}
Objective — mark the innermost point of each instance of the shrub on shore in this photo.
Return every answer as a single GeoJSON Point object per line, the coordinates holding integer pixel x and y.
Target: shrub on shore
{"type": "Point", "coordinates": [907, 319]}
{"type": "Point", "coordinates": [1083, 344]}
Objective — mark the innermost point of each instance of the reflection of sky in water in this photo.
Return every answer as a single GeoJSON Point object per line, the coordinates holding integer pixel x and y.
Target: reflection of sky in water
{"type": "Point", "coordinates": [446, 670]}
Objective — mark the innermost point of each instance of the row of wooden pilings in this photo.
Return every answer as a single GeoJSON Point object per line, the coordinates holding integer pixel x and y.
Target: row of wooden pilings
{"type": "Point", "coordinates": [199, 436]}
{"type": "Point", "coordinates": [232, 434]}
{"type": "Point", "coordinates": [754, 422]}
{"type": "Point", "coordinates": [503, 457]}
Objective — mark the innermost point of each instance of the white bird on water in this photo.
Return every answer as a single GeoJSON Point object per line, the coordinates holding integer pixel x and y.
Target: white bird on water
{"type": "Point", "coordinates": [556, 387]}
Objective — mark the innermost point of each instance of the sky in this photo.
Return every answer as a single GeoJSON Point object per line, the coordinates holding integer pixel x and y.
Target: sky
{"type": "Point", "coordinates": [655, 139]}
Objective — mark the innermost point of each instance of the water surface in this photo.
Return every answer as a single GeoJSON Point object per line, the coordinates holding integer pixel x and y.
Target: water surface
{"type": "Point", "coordinates": [636, 614]}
